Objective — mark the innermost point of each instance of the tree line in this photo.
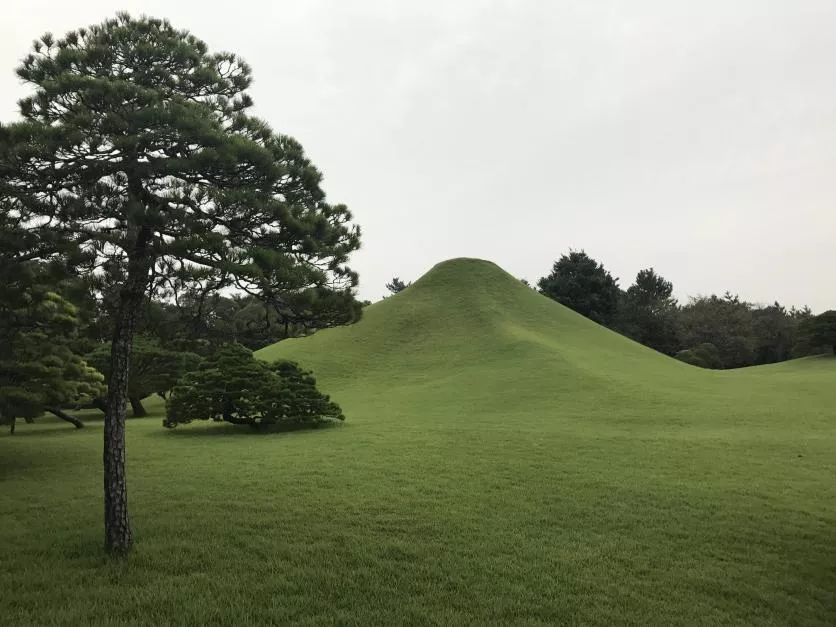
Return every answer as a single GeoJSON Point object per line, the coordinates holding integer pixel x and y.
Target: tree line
{"type": "Point", "coordinates": [171, 338]}
{"type": "Point", "coordinates": [708, 331]}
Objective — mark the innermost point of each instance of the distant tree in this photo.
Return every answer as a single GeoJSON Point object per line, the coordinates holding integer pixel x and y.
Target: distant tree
{"type": "Point", "coordinates": [647, 312]}
{"type": "Point", "coordinates": [317, 308]}
{"type": "Point", "coordinates": [396, 285]}
{"type": "Point", "coordinates": [136, 151]}
{"type": "Point", "coordinates": [800, 318]}
{"type": "Point", "coordinates": [154, 369]}
{"type": "Point", "coordinates": [198, 322]}
{"type": "Point", "coordinates": [235, 387]}
{"type": "Point", "coordinates": [39, 372]}
{"type": "Point", "coordinates": [583, 284]}
{"type": "Point", "coordinates": [775, 333]}
{"type": "Point", "coordinates": [725, 322]}
{"type": "Point", "coordinates": [820, 331]}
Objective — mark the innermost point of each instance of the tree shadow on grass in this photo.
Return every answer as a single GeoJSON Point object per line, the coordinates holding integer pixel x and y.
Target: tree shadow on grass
{"type": "Point", "coordinates": [223, 429]}
{"type": "Point", "coordinates": [29, 460]}
{"type": "Point", "coordinates": [47, 423]}
{"type": "Point", "coordinates": [58, 429]}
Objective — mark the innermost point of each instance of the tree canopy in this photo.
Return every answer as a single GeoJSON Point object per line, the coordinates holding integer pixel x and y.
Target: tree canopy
{"type": "Point", "coordinates": [820, 331]}
{"type": "Point", "coordinates": [396, 285]}
{"type": "Point", "coordinates": [582, 284]}
{"type": "Point", "coordinates": [724, 322]}
{"type": "Point", "coordinates": [775, 332]}
{"type": "Point", "coordinates": [647, 312]}
{"type": "Point", "coordinates": [38, 369]}
{"type": "Point", "coordinates": [235, 387]}
{"type": "Point", "coordinates": [709, 331]}
{"type": "Point", "coordinates": [136, 154]}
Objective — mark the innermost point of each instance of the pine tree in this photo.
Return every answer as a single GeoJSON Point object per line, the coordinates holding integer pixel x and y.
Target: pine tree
{"type": "Point", "coordinates": [396, 286]}
{"type": "Point", "coordinates": [39, 372]}
{"type": "Point", "coordinates": [136, 150]}
{"type": "Point", "coordinates": [582, 284]}
{"type": "Point", "coordinates": [820, 331]}
{"type": "Point", "coordinates": [647, 312]}
{"type": "Point", "coordinates": [235, 387]}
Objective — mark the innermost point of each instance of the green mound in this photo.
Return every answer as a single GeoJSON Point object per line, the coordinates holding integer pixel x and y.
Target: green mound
{"type": "Point", "coordinates": [461, 314]}
{"type": "Point", "coordinates": [469, 322]}
{"type": "Point", "coordinates": [469, 337]}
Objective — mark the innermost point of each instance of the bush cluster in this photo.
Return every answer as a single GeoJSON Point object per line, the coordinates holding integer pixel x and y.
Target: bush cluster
{"type": "Point", "coordinates": [235, 387]}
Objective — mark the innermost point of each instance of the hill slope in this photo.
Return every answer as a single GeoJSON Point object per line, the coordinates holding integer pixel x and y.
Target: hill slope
{"type": "Point", "coordinates": [468, 336]}
{"type": "Point", "coordinates": [466, 310]}
{"type": "Point", "coordinates": [469, 323]}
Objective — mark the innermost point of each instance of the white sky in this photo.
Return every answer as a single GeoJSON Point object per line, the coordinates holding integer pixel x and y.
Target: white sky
{"type": "Point", "coordinates": [695, 137]}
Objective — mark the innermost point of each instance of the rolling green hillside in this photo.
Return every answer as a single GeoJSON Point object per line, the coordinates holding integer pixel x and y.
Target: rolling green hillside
{"type": "Point", "coordinates": [469, 337]}
{"type": "Point", "coordinates": [504, 461]}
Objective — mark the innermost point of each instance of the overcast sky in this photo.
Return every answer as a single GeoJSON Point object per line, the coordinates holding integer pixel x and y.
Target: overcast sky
{"type": "Point", "coordinates": [695, 137]}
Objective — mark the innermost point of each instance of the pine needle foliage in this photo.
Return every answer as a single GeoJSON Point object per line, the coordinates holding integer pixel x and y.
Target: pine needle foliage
{"type": "Point", "coordinates": [235, 387]}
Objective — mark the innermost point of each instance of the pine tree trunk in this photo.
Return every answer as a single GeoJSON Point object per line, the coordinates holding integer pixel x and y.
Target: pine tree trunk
{"type": "Point", "coordinates": [137, 409]}
{"type": "Point", "coordinates": [118, 535]}
{"type": "Point", "coordinates": [12, 425]}
{"type": "Point", "coordinates": [228, 416]}
{"type": "Point", "coordinates": [65, 416]}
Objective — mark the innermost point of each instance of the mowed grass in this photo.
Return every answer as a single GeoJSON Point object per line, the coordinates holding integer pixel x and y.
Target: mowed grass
{"type": "Point", "coordinates": [504, 461]}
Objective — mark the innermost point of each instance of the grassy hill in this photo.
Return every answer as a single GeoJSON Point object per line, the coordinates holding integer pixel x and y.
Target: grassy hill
{"type": "Point", "coordinates": [504, 461]}
{"type": "Point", "coordinates": [470, 338]}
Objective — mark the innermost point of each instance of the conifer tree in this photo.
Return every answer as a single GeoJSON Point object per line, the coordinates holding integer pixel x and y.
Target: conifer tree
{"type": "Point", "coordinates": [395, 286]}
{"type": "Point", "coordinates": [820, 331]}
{"type": "Point", "coordinates": [582, 284]}
{"type": "Point", "coordinates": [136, 151]}
{"type": "Point", "coordinates": [39, 372]}
{"type": "Point", "coordinates": [235, 387]}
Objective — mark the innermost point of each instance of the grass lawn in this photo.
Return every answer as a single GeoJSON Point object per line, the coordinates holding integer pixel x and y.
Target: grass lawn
{"type": "Point", "coordinates": [504, 461]}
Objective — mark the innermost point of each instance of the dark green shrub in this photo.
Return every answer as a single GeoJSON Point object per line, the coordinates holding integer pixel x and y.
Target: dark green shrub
{"type": "Point", "coordinates": [154, 369]}
{"type": "Point", "coordinates": [235, 387]}
{"type": "Point", "coordinates": [705, 355]}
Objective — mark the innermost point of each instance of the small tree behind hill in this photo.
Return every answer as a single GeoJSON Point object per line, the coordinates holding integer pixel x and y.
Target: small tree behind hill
{"type": "Point", "coordinates": [396, 286]}
{"type": "Point", "coordinates": [235, 387]}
